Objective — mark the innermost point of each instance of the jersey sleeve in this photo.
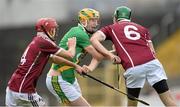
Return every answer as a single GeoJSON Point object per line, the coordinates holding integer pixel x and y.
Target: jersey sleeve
{"type": "Point", "coordinates": [47, 46]}
{"type": "Point", "coordinates": [83, 40]}
{"type": "Point", "coordinates": [105, 31]}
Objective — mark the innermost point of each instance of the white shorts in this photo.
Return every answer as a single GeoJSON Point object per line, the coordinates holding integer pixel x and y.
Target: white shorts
{"type": "Point", "coordinates": [64, 91]}
{"type": "Point", "coordinates": [151, 71]}
{"type": "Point", "coordinates": [23, 99]}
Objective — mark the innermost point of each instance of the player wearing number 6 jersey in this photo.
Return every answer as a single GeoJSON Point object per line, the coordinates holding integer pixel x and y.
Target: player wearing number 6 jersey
{"type": "Point", "coordinates": [134, 46]}
{"type": "Point", "coordinates": [21, 90]}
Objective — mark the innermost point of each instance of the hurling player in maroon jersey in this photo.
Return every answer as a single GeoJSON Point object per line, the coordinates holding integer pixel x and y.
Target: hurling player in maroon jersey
{"type": "Point", "coordinates": [21, 89]}
{"type": "Point", "coordinates": [134, 46]}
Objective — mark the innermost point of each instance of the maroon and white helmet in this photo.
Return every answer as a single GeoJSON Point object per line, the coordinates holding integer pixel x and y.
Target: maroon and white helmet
{"type": "Point", "coordinates": [45, 24]}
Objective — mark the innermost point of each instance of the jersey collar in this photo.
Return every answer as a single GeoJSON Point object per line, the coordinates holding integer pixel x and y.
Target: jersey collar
{"type": "Point", "coordinates": [42, 34]}
{"type": "Point", "coordinates": [81, 27]}
{"type": "Point", "coordinates": [124, 20]}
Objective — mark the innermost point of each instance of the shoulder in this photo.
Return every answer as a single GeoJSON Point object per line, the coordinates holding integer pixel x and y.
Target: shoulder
{"type": "Point", "coordinates": [106, 27]}
{"type": "Point", "coordinates": [44, 43]}
{"type": "Point", "coordinates": [79, 33]}
{"type": "Point", "coordinates": [75, 31]}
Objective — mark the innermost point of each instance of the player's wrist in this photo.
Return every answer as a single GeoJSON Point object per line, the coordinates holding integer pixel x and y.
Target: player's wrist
{"type": "Point", "coordinates": [111, 57]}
{"type": "Point", "coordinates": [116, 59]}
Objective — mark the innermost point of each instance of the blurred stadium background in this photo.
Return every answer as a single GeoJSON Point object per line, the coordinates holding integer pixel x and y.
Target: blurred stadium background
{"type": "Point", "coordinates": [162, 17]}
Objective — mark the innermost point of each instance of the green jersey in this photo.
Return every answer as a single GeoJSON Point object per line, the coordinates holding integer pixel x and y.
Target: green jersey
{"type": "Point", "coordinates": [82, 41]}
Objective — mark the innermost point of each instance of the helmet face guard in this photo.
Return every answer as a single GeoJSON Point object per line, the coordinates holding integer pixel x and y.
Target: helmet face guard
{"type": "Point", "coordinates": [86, 17]}
{"type": "Point", "coordinates": [46, 25]}
{"type": "Point", "coordinates": [122, 12]}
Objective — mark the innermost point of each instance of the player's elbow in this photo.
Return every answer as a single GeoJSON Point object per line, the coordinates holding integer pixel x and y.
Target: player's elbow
{"type": "Point", "coordinates": [96, 37]}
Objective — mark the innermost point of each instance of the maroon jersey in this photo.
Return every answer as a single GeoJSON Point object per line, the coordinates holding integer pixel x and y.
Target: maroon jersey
{"type": "Point", "coordinates": [32, 62]}
{"type": "Point", "coordinates": [131, 42]}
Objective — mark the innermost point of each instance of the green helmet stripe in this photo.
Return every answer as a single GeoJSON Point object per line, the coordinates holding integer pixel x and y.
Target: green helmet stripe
{"type": "Point", "coordinates": [85, 14]}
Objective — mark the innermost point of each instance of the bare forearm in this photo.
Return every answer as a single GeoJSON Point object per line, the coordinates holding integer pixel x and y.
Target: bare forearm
{"type": "Point", "coordinates": [60, 60]}
{"type": "Point", "coordinates": [101, 49]}
{"type": "Point", "coordinates": [70, 53]}
{"type": "Point", "coordinates": [94, 63]}
{"type": "Point", "coordinates": [95, 40]}
{"type": "Point", "coordinates": [65, 54]}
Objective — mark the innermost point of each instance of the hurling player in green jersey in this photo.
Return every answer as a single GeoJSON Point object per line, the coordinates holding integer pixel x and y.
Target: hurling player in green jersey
{"type": "Point", "coordinates": [61, 80]}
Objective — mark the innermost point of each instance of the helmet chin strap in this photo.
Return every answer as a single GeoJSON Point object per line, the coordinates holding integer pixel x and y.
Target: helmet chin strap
{"type": "Point", "coordinates": [85, 25]}
{"type": "Point", "coordinates": [90, 32]}
{"type": "Point", "coordinates": [47, 33]}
